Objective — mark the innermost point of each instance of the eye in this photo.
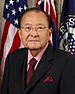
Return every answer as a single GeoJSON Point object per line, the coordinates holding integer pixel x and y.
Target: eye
{"type": "Point", "coordinates": [40, 28]}
{"type": "Point", "coordinates": [27, 28]}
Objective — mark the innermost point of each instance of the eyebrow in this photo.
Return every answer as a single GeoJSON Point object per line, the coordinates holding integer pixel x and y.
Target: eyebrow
{"type": "Point", "coordinates": [36, 24]}
{"type": "Point", "coordinates": [40, 24]}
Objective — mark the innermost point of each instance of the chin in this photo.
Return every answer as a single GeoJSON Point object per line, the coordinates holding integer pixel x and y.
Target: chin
{"type": "Point", "coordinates": [34, 48]}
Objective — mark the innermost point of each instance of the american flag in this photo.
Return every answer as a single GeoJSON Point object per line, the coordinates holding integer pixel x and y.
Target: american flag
{"type": "Point", "coordinates": [49, 7]}
{"type": "Point", "coordinates": [9, 36]}
{"type": "Point", "coordinates": [67, 27]}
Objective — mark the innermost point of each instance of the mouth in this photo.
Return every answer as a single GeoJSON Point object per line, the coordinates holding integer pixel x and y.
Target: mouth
{"type": "Point", "coordinates": [33, 40]}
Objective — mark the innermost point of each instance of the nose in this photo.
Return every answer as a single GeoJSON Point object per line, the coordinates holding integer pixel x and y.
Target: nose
{"type": "Point", "coordinates": [34, 33]}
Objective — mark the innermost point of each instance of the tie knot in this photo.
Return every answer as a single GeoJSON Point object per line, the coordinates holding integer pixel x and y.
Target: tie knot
{"type": "Point", "coordinates": [32, 62]}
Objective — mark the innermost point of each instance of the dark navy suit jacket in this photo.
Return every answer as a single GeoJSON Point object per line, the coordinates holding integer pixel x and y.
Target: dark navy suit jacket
{"type": "Point", "coordinates": [55, 73]}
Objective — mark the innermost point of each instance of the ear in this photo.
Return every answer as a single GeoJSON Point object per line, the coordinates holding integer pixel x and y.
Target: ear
{"type": "Point", "coordinates": [50, 31]}
{"type": "Point", "coordinates": [19, 32]}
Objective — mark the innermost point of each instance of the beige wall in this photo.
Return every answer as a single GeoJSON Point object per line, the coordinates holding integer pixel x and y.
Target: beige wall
{"type": "Point", "coordinates": [1, 11]}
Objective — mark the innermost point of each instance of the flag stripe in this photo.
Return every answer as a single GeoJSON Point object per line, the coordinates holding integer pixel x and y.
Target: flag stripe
{"type": "Point", "coordinates": [5, 33]}
{"type": "Point", "coordinates": [16, 43]}
{"type": "Point", "coordinates": [9, 40]}
{"type": "Point", "coordinates": [53, 14]}
{"type": "Point", "coordinates": [47, 7]}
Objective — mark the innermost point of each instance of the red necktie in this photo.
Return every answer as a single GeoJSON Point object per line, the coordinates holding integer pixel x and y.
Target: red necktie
{"type": "Point", "coordinates": [31, 69]}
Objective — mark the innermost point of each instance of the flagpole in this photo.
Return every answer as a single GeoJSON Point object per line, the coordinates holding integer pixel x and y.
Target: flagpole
{"type": "Point", "coordinates": [33, 3]}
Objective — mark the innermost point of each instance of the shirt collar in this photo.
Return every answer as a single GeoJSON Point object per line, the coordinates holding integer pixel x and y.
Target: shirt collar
{"type": "Point", "coordinates": [38, 57]}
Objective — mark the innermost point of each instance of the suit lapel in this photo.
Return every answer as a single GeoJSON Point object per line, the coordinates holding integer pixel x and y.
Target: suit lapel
{"type": "Point", "coordinates": [23, 64]}
{"type": "Point", "coordinates": [24, 70]}
{"type": "Point", "coordinates": [44, 64]}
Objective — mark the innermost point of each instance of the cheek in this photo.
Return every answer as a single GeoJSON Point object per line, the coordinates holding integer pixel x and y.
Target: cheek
{"type": "Point", "coordinates": [23, 39]}
{"type": "Point", "coordinates": [44, 38]}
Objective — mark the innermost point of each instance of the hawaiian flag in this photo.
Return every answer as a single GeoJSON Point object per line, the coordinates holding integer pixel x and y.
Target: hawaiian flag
{"type": "Point", "coordinates": [49, 7]}
{"type": "Point", "coordinates": [67, 27]}
{"type": "Point", "coordinates": [9, 36]}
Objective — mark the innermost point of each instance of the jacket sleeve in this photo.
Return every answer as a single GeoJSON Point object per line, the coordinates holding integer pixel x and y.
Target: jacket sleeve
{"type": "Point", "coordinates": [5, 81]}
{"type": "Point", "coordinates": [67, 83]}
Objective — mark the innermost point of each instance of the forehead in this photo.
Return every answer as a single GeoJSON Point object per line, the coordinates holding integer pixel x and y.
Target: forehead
{"type": "Point", "coordinates": [33, 16]}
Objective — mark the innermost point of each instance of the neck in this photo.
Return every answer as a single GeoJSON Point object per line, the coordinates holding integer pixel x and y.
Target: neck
{"type": "Point", "coordinates": [35, 52]}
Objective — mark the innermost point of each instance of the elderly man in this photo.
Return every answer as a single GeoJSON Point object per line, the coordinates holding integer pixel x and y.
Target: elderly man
{"type": "Point", "coordinates": [39, 68]}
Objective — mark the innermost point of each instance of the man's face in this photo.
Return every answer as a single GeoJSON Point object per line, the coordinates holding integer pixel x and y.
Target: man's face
{"type": "Point", "coordinates": [34, 32]}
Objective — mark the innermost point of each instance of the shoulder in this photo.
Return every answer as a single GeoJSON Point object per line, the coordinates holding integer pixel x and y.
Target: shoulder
{"type": "Point", "coordinates": [64, 56]}
{"type": "Point", "coordinates": [18, 52]}
{"type": "Point", "coordinates": [63, 60]}
{"type": "Point", "coordinates": [61, 54]}
{"type": "Point", "coordinates": [17, 55]}
{"type": "Point", "coordinates": [16, 58]}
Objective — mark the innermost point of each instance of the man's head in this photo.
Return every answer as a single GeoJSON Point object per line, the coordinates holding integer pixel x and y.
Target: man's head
{"type": "Point", "coordinates": [35, 10]}
{"type": "Point", "coordinates": [35, 29]}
